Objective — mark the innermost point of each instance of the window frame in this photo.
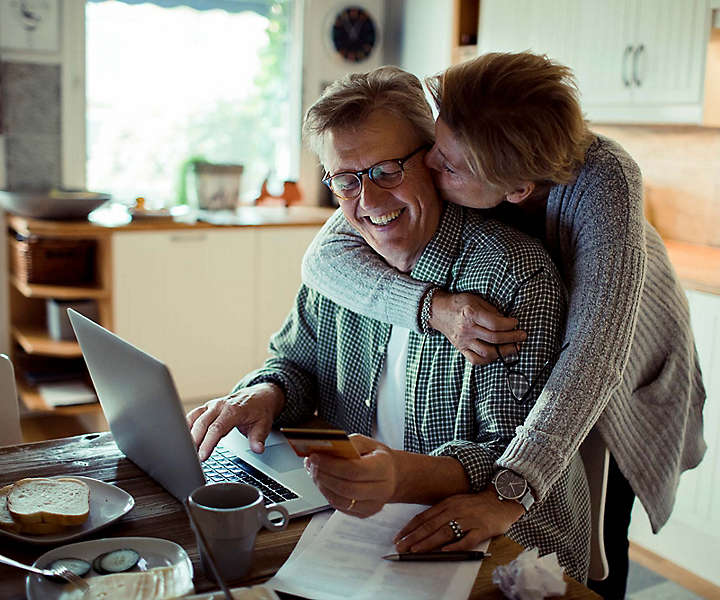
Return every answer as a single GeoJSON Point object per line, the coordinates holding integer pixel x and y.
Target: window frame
{"type": "Point", "coordinates": [73, 98]}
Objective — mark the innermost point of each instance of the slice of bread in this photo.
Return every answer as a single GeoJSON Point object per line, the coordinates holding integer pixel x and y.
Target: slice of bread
{"type": "Point", "coordinates": [61, 501]}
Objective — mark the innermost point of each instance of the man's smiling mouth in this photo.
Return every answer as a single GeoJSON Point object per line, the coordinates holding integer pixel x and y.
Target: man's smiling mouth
{"type": "Point", "coordinates": [386, 218]}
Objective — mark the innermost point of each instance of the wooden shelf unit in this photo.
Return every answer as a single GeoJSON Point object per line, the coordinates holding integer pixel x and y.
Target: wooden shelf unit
{"type": "Point", "coordinates": [60, 292]}
{"type": "Point", "coordinates": [35, 405]}
{"type": "Point", "coordinates": [35, 340]}
{"type": "Point", "coordinates": [27, 302]}
{"type": "Point", "coordinates": [466, 15]}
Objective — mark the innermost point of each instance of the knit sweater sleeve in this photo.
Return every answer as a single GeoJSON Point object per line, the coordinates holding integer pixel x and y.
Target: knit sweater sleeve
{"type": "Point", "coordinates": [604, 259]}
{"type": "Point", "coordinates": [341, 266]}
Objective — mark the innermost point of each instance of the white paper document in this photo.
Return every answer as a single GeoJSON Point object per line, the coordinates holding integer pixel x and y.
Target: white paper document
{"type": "Point", "coordinates": [343, 559]}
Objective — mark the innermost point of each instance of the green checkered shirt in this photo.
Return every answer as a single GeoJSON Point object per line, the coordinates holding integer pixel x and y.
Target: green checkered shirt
{"type": "Point", "coordinates": [328, 359]}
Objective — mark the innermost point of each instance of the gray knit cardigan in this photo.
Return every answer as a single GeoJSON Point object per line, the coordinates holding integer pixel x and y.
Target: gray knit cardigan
{"type": "Point", "coordinates": [631, 368]}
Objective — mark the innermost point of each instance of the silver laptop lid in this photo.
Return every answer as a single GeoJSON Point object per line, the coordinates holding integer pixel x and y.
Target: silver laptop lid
{"type": "Point", "coordinates": [142, 407]}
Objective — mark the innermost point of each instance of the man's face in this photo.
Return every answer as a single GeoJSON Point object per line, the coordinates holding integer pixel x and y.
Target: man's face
{"type": "Point", "coordinates": [453, 178]}
{"type": "Point", "coordinates": [399, 222]}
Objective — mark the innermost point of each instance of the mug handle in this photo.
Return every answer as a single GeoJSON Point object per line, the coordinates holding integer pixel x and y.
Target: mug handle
{"type": "Point", "coordinates": [270, 508]}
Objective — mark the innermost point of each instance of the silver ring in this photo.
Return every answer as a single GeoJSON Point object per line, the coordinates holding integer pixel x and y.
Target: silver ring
{"type": "Point", "coordinates": [353, 502]}
{"type": "Point", "coordinates": [456, 529]}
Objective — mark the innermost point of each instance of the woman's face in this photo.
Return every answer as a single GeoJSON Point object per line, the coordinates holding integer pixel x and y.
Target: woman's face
{"type": "Point", "coordinates": [452, 176]}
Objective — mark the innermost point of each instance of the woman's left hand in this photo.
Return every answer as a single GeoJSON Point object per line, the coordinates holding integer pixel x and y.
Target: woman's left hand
{"type": "Point", "coordinates": [480, 516]}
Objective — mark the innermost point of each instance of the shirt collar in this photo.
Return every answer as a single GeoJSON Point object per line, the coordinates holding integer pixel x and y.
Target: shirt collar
{"type": "Point", "coordinates": [441, 252]}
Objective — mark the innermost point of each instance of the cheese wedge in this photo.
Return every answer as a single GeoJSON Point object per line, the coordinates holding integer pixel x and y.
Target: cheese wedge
{"type": "Point", "coordinates": [160, 583]}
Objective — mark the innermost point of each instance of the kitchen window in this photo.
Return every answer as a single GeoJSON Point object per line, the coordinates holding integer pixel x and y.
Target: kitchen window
{"type": "Point", "coordinates": [169, 81]}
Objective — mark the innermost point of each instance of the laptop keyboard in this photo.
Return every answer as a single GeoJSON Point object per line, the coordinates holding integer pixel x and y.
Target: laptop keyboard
{"type": "Point", "coordinates": [225, 465]}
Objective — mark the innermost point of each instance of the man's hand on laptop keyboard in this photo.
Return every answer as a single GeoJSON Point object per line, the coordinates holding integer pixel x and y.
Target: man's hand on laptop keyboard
{"type": "Point", "coordinates": [252, 410]}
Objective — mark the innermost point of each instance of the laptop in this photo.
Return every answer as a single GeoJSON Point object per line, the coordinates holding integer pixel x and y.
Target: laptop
{"type": "Point", "coordinates": [142, 407]}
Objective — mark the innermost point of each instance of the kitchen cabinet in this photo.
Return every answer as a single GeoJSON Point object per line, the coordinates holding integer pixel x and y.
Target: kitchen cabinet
{"type": "Point", "coordinates": [637, 61]}
{"type": "Point", "coordinates": [206, 302]}
{"type": "Point", "coordinates": [278, 278]}
{"type": "Point", "coordinates": [187, 298]}
{"type": "Point", "coordinates": [203, 299]}
{"type": "Point", "coordinates": [692, 535]}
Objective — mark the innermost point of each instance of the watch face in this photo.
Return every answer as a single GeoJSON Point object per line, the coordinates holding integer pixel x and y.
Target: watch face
{"type": "Point", "coordinates": [353, 34]}
{"type": "Point", "coordinates": [510, 485]}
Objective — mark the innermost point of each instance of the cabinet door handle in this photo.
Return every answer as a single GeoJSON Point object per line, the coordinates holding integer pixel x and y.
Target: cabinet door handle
{"type": "Point", "coordinates": [626, 55]}
{"type": "Point", "coordinates": [191, 237]}
{"type": "Point", "coordinates": [636, 60]}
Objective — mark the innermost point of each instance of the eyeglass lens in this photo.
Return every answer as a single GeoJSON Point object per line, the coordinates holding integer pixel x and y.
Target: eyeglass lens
{"type": "Point", "coordinates": [518, 384]}
{"type": "Point", "coordinates": [388, 174]}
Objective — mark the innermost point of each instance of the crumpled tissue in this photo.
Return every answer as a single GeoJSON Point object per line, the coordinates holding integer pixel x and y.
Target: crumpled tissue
{"type": "Point", "coordinates": [530, 577]}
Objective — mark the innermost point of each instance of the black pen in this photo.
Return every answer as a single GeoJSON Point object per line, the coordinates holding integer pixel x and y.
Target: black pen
{"type": "Point", "coordinates": [438, 556]}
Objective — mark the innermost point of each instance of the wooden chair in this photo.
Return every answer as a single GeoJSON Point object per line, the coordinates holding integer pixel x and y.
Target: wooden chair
{"type": "Point", "coordinates": [596, 459]}
{"type": "Point", "coordinates": [9, 412]}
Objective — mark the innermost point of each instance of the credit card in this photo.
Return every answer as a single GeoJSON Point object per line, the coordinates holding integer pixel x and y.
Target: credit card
{"type": "Point", "coordinates": [320, 441]}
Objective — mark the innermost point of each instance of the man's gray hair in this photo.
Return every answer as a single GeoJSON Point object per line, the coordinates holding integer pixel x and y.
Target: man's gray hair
{"type": "Point", "coordinates": [349, 101]}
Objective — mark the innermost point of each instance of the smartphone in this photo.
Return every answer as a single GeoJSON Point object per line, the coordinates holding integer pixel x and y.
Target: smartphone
{"type": "Point", "coordinates": [334, 442]}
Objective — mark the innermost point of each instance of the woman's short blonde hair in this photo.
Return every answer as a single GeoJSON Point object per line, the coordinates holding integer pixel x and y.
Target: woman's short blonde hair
{"type": "Point", "coordinates": [518, 116]}
{"type": "Point", "coordinates": [349, 101]}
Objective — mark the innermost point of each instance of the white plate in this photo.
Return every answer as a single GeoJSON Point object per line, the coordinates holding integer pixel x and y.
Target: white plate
{"type": "Point", "coordinates": [107, 504]}
{"type": "Point", "coordinates": [155, 551]}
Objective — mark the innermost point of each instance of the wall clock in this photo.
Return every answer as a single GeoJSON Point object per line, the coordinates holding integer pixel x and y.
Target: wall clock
{"type": "Point", "coordinates": [354, 34]}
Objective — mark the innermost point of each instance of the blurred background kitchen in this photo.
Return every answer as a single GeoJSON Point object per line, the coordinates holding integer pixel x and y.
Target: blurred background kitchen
{"type": "Point", "coordinates": [141, 99]}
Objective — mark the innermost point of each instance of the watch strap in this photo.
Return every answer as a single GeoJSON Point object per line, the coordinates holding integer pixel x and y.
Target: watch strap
{"type": "Point", "coordinates": [527, 500]}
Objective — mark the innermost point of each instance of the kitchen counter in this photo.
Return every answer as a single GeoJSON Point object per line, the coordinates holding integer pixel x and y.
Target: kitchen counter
{"type": "Point", "coordinates": [697, 266]}
{"type": "Point", "coordinates": [106, 221]}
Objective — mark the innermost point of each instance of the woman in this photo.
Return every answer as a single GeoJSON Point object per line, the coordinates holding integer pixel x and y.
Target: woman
{"type": "Point", "coordinates": [510, 136]}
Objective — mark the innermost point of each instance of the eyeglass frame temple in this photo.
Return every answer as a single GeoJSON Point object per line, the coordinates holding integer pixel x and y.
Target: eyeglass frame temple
{"type": "Point", "coordinates": [549, 362]}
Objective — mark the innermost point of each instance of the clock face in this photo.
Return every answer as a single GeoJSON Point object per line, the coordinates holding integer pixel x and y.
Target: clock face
{"type": "Point", "coordinates": [510, 485]}
{"type": "Point", "coordinates": [353, 34]}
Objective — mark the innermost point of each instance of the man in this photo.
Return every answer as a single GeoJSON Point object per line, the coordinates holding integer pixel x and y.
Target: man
{"type": "Point", "coordinates": [437, 423]}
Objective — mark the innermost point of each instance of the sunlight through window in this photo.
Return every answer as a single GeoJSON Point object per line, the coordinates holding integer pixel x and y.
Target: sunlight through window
{"type": "Point", "coordinates": [168, 85]}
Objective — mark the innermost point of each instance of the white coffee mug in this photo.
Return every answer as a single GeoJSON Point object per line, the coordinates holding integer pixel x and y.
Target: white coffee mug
{"type": "Point", "coordinates": [230, 515]}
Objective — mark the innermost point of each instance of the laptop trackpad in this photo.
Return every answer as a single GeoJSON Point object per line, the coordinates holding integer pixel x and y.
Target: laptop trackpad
{"type": "Point", "coordinates": [281, 457]}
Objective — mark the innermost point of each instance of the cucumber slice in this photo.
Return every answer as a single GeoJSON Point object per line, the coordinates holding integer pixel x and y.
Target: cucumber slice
{"type": "Point", "coordinates": [96, 565]}
{"type": "Point", "coordinates": [117, 561]}
{"type": "Point", "coordinates": [77, 565]}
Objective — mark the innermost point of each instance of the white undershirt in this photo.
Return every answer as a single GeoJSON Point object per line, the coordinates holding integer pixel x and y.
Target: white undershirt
{"type": "Point", "coordinates": [389, 427]}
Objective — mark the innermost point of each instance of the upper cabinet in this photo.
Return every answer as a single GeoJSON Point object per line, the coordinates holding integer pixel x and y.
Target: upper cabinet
{"type": "Point", "coordinates": [636, 61]}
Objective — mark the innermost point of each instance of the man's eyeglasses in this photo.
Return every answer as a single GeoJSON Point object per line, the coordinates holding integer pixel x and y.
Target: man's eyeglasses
{"type": "Point", "coordinates": [386, 174]}
{"type": "Point", "coordinates": [518, 383]}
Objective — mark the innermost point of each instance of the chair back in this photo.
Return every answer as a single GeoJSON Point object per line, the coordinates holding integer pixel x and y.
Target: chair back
{"type": "Point", "coordinates": [9, 410]}
{"type": "Point", "coordinates": [596, 458]}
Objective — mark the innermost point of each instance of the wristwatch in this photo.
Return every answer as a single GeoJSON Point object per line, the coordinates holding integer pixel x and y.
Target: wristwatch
{"type": "Point", "coordinates": [511, 486]}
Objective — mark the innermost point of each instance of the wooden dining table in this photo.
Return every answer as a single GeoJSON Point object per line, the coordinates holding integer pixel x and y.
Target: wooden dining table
{"type": "Point", "coordinates": [157, 514]}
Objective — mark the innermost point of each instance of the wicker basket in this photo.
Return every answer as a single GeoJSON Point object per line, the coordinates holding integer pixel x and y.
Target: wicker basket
{"type": "Point", "coordinates": [53, 261]}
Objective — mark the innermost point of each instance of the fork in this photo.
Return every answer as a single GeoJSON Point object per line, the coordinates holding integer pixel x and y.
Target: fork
{"type": "Point", "coordinates": [62, 572]}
